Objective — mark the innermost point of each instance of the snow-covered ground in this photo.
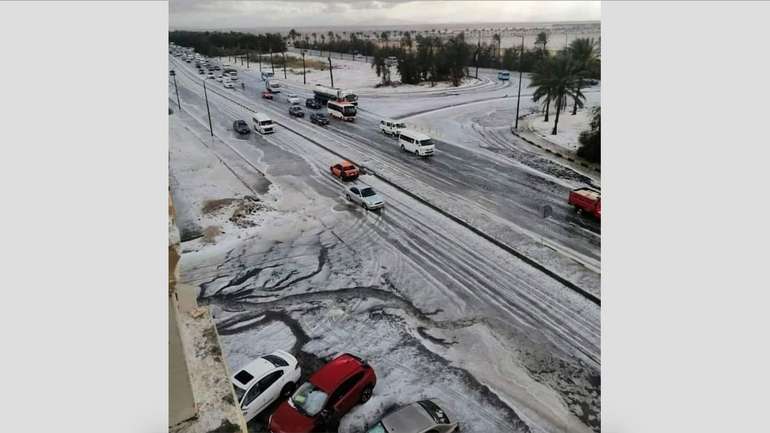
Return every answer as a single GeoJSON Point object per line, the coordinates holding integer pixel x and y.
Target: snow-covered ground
{"type": "Point", "coordinates": [437, 310]}
{"type": "Point", "coordinates": [568, 130]}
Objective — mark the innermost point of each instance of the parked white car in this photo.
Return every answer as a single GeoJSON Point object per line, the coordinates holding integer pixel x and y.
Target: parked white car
{"type": "Point", "coordinates": [219, 78]}
{"type": "Point", "coordinates": [365, 196]}
{"type": "Point", "coordinates": [293, 98]}
{"type": "Point", "coordinates": [391, 127]}
{"type": "Point", "coordinates": [264, 380]}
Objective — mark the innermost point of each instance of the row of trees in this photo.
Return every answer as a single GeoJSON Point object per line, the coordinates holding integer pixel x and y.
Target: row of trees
{"type": "Point", "coordinates": [559, 79]}
{"type": "Point", "coordinates": [216, 44]}
{"type": "Point", "coordinates": [433, 60]}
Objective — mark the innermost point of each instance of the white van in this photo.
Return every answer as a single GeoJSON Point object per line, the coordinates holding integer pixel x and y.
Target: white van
{"type": "Point", "coordinates": [262, 123]}
{"type": "Point", "coordinates": [415, 142]}
{"type": "Point", "coordinates": [272, 86]}
{"type": "Point", "coordinates": [391, 127]}
{"type": "Point", "coordinates": [266, 75]}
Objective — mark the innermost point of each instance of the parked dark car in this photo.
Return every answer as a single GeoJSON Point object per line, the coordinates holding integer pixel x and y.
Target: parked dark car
{"type": "Point", "coordinates": [312, 103]}
{"type": "Point", "coordinates": [241, 127]}
{"type": "Point", "coordinates": [319, 119]}
{"type": "Point", "coordinates": [296, 111]}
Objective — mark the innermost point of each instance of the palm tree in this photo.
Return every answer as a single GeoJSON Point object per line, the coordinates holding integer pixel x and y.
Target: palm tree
{"type": "Point", "coordinates": [541, 79]}
{"type": "Point", "coordinates": [542, 39]}
{"type": "Point", "coordinates": [583, 52]}
{"type": "Point", "coordinates": [293, 34]}
{"type": "Point", "coordinates": [496, 38]}
{"type": "Point", "coordinates": [564, 74]}
{"type": "Point", "coordinates": [315, 39]}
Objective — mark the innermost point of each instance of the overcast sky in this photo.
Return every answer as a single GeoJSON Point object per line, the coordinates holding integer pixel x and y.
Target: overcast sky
{"type": "Point", "coordinates": [218, 14]}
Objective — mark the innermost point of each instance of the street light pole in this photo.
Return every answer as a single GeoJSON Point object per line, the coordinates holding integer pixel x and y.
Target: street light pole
{"type": "Point", "coordinates": [518, 98]}
{"type": "Point", "coordinates": [259, 59]}
{"type": "Point", "coordinates": [304, 74]}
{"type": "Point", "coordinates": [205, 93]}
{"type": "Point", "coordinates": [247, 60]}
{"type": "Point", "coordinates": [177, 91]}
{"type": "Point", "coordinates": [272, 66]}
{"type": "Point", "coordinates": [331, 74]}
{"type": "Point", "coordinates": [284, 65]}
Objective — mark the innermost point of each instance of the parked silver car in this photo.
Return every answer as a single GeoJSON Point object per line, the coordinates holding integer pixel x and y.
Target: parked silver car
{"type": "Point", "coordinates": [419, 417]}
{"type": "Point", "coordinates": [365, 196]}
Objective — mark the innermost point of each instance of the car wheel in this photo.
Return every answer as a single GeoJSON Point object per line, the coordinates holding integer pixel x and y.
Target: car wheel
{"type": "Point", "coordinates": [402, 148]}
{"type": "Point", "coordinates": [363, 205]}
{"type": "Point", "coordinates": [347, 196]}
{"type": "Point", "coordinates": [288, 390]}
{"type": "Point", "coordinates": [366, 394]}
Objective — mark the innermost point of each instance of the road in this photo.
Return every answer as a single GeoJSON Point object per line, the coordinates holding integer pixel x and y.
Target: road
{"type": "Point", "coordinates": [549, 332]}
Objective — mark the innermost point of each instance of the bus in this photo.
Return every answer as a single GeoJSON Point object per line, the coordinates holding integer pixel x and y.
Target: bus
{"type": "Point", "coordinates": [504, 75]}
{"type": "Point", "coordinates": [342, 110]}
{"type": "Point", "coordinates": [323, 94]}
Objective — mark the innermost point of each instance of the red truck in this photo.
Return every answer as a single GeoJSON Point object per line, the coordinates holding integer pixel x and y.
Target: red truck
{"type": "Point", "coordinates": [586, 200]}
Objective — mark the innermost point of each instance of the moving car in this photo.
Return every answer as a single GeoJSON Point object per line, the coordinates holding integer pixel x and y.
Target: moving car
{"type": "Point", "coordinates": [210, 76]}
{"type": "Point", "coordinates": [267, 95]}
{"type": "Point", "coordinates": [503, 75]}
{"type": "Point", "coordinates": [296, 111]}
{"type": "Point", "coordinates": [344, 170]}
{"type": "Point", "coordinates": [201, 72]}
{"type": "Point", "coordinates": [329, 394]}
{"type": "Point", "coordinates": [219, 78]}
{"type": "Point", "coordinates": [264, 380]}
{"type": "Point", "coordinates": [312, 103]}
{"type": "Point", "coordinates": [425, 416]}
{"type": "Point", "coordinates": [586, 200]}
{"type": "Point", "coordinates": [319, 119]}
{"type": "Point", "coordinates": [293, 98]}
{"type": "Point", "coordinates": [262, 123]}
{"type": "Point", "coordinates": [365, 196]}
{"type": "Point", "coordinates": [241, 127]}
{"type": "Point", "coordinates": [228, 84]}
{"type": "Point", "coordinates": [391, 127]}
{"type": "Point", "coordinates": [415, 142]}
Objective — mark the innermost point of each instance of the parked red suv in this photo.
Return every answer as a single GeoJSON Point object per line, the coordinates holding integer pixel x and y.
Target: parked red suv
{"type": "Point", "coordinates": [331, 392]}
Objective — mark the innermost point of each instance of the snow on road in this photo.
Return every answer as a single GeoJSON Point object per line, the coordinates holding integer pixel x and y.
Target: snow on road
{"type": "Point", "coordinates": [428, 303]}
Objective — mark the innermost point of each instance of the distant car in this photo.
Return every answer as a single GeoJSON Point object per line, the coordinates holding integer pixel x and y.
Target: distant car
{"type": "Point", "coordinates": [264, 380]}
{"type": "Point", "coordinates": [201, 72]}
{"type": "Point", "coordinates": [331, 392]}
{"type": "Point", "coordinates": [365, 196]}
{"type": "Point", "coordinates": [228, 84]}
{"type": "Point", "coordinates": [319, 119]}
{"type": "Point", "coordinates": [241, 127]}
{"type": "Point", "coordinates": [344, 170]}
{"type": "Point", "coordinates": [296, 111]}
{"type": "Point", "coordinates": [219, 78]}
{"type": "Point", "coordinates": [293, 98]}
{"type": "Point", "coordinates": [267, 95]}
{"type": "Point", "coordinates": [418, 417]}
{"type": "Point", "coordinates": [312, 103]}
{"type": "Point", "coordinates": [210, 76]}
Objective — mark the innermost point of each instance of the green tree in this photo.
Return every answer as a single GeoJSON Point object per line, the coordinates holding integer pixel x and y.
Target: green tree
{"type": "Point", "coordinates": [542, 39]}
{"type": "Point", "coordinates": [584, 54]}
{"type": "Point", "coordinates": [590, 139]}
{"type": "Point", "coordinates": [542, 80]}
{"type": "Point", "coordinates": [564, 75]}
{"type": "Point", "coordinates": [496, 38]}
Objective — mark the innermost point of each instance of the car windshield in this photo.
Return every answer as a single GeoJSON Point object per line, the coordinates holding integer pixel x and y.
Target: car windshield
{"type": "Point", "coordinates": [309, 399]}
{"type": "Point", "coordinates": [349, 110]}
{"type": "Point", "coordinates": [378, 428]}
{"type": "Point", "coordinates": [367, 192]}
{"type": "Point", "coordinates": [399, 126]}
{"type": "Point", "coordinates": [266, 123]}
{"type": "Point", "coordinates": [427, 142]}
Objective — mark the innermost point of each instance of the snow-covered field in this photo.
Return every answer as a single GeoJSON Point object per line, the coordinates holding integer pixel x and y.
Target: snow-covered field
{"type": "Point", "coordinates": [284, 262]}
{"type": "Point", "coordinates": [568, 129]}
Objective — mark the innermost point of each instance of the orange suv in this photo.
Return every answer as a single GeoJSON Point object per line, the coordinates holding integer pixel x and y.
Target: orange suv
{"type": "Point", "coordinates": [345, 170]}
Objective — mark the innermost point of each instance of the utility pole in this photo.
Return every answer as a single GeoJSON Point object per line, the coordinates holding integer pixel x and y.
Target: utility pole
{"type": "Point", "coordinates": [205, 93]}
{"type": "Point", "coordinates": [247, 60]}
{"type": "Point", "coordinates": [304, 74]}
{"type": "Point", "coordinates": [173, 74]}
{"type": "Point", "coordinates": [478, 51]}
{"type": "Point", "coordinates": [272, 66]}
{"type": "Point", "coordinates": [518, 98]}
{"type": "Point", "coordinates": [331, 74]}
{"type": "Point", "coordinates": [284, 65]}
{"type": "Point", "coordinates": [259, 59]}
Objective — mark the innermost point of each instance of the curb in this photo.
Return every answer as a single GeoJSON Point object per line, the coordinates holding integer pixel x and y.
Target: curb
{"type": "Point", "coordinates": [583, 164]}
